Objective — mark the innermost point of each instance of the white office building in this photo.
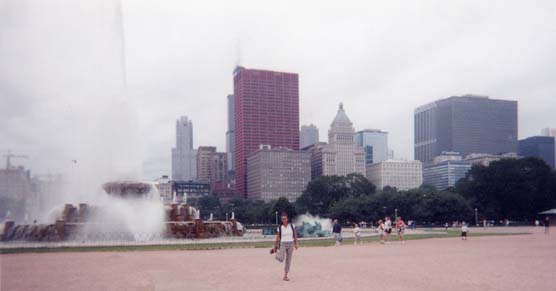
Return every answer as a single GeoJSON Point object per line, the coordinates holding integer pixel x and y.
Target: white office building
{"type": "Point", "coordinates": [485, 159]}
{"type": "Point", "coordinates": [403, 175]}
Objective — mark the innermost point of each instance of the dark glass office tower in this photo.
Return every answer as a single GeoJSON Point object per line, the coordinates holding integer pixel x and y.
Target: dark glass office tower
{"type": "Point", "coordinates": [465, 124]}
{"type": "Point", "coordinates": [541, 147]}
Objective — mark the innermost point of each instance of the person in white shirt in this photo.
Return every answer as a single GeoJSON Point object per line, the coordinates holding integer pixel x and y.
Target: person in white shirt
{"type": "Point", "coordinates": [464, 230]}
{"type": "Point", "coordinates": [286, 241]}
{"type": "Point", "coordinates": [387, 228]}
{"type": "Point", "coordinates": [356, 234]}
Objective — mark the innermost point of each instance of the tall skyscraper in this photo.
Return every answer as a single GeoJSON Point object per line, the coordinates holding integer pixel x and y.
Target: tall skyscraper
{"type": "Point", "coordinates": [375, 144]}
{"type": "Point", "coordinates": [465, 124]}
{"type": "Point", "coordinates": [230, 138]}
{"type": "Point", "coordinates": [308, 135]}
{"type": "Point", "coordinates": [266, 106]}
{"type": "Point", "coordinates": [340, 156]}
{"type": "Point", "coordinates": [541, 147]}
{"type": "Point", "coordinates": [184, 161]}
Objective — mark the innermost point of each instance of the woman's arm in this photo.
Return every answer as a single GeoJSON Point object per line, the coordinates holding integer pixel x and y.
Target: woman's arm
{"type": "Point", "coordinates": [277, 241]}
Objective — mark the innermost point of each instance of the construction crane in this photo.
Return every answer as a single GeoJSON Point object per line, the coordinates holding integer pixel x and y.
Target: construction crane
{"type": "Point", "coordinates": [9, 156]}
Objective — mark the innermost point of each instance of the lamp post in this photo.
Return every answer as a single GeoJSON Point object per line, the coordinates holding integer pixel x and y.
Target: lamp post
{"type": "Point", "coordinates": [276, 216]}
{"type": "Point", "coordinates": [476, 217]}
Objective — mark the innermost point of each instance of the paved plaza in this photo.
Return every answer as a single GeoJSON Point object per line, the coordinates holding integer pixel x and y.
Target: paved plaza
{"type": "Point", "coordinates": [517, 262]}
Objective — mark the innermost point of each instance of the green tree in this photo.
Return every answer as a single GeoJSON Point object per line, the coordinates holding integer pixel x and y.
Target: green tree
{"type": "Point", "coordinates": [321, 193]}
{"type": "Point", "coordinates": [359, 185]}
{"type": "Point", "coordinates": [510, 188]}
{"type": "Point", "coordinates": [248, 211]}
{"type": "Point", "coordinates": [283, 205]}
{"type": "Point", "coordinates": [209, 204]}
{"type": "Point", "coordinates": [352, 208]}
{"type": "Point", "coordinates": [442, 207]}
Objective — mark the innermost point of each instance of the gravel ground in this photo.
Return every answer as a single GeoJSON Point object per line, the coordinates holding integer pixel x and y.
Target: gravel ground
{"type": "Point", "coordinates": [523, 262]}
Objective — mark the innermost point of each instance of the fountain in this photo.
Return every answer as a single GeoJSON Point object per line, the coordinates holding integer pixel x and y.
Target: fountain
{"type": "Point", "coordinates": [132, 211]}
{"type": "Point", "coordinates": [313, 226]}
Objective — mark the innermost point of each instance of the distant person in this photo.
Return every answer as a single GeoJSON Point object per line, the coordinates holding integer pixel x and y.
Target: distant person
{"type": "Point", "coordinates": [464, 230]}
{"type": "Point", "coordinates": [484, 223]}
{"type": "Point", "coordinates": [387, 228]}
{"type": "Point", "coordinates": [537, 222]}
{"type": "Point", "coordinates": [286, 241]}
{"type": "Point", "coordinates": [400, 228]}
{"type": "Point", "coordinates": [380, 229]}
{"type": "Point", "coordinates": [356, 234]}
{"type": "Point", "coordinates": [446, 226]}
{"type": "Point", "coordinates": [337, 231]}
{"type": "Point", "coordinates": [363, 224]}
{"type": "Point", "coordinates": [546, 225]}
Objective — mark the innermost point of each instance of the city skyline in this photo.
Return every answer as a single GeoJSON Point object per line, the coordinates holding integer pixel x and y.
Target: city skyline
{"type": "Point", "coordinates": [351, 56]}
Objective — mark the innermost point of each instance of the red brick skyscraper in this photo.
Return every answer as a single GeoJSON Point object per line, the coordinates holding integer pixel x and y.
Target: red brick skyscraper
{"type": "Point", "coordinates": [266, 112]}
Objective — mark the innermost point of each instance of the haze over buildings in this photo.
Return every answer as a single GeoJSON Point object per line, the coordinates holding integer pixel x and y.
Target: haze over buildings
{"type": "Point", "coordinates": [51, 101]}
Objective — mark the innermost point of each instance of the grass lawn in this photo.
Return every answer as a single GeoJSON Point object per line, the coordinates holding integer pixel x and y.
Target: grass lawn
{"type": "Point", "coordinates": [227, 245]}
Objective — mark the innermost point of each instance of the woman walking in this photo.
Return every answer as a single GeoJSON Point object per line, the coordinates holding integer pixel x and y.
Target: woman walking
{"type": "Point", "coordinates": [286, 241]}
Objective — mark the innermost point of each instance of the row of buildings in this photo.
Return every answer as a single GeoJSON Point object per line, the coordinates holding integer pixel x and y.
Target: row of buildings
{"type": "Point", "coordinates": [268, 155]}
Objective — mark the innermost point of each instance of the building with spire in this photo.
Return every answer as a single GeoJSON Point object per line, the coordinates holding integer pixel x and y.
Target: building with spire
{"type": "Point", "coordinates": [340, 156]}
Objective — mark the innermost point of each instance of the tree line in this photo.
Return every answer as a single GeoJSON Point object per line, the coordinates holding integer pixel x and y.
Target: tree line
{"type": "Point", "coordinates": [515, 189]}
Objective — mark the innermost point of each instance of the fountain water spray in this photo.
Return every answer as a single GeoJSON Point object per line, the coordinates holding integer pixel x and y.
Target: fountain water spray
{"type": "Point", "coordinates": [313, 226]}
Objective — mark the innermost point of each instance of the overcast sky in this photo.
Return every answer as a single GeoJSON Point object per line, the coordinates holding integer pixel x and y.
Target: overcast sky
{"type": "Point", "coordinates": [61, 76]}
